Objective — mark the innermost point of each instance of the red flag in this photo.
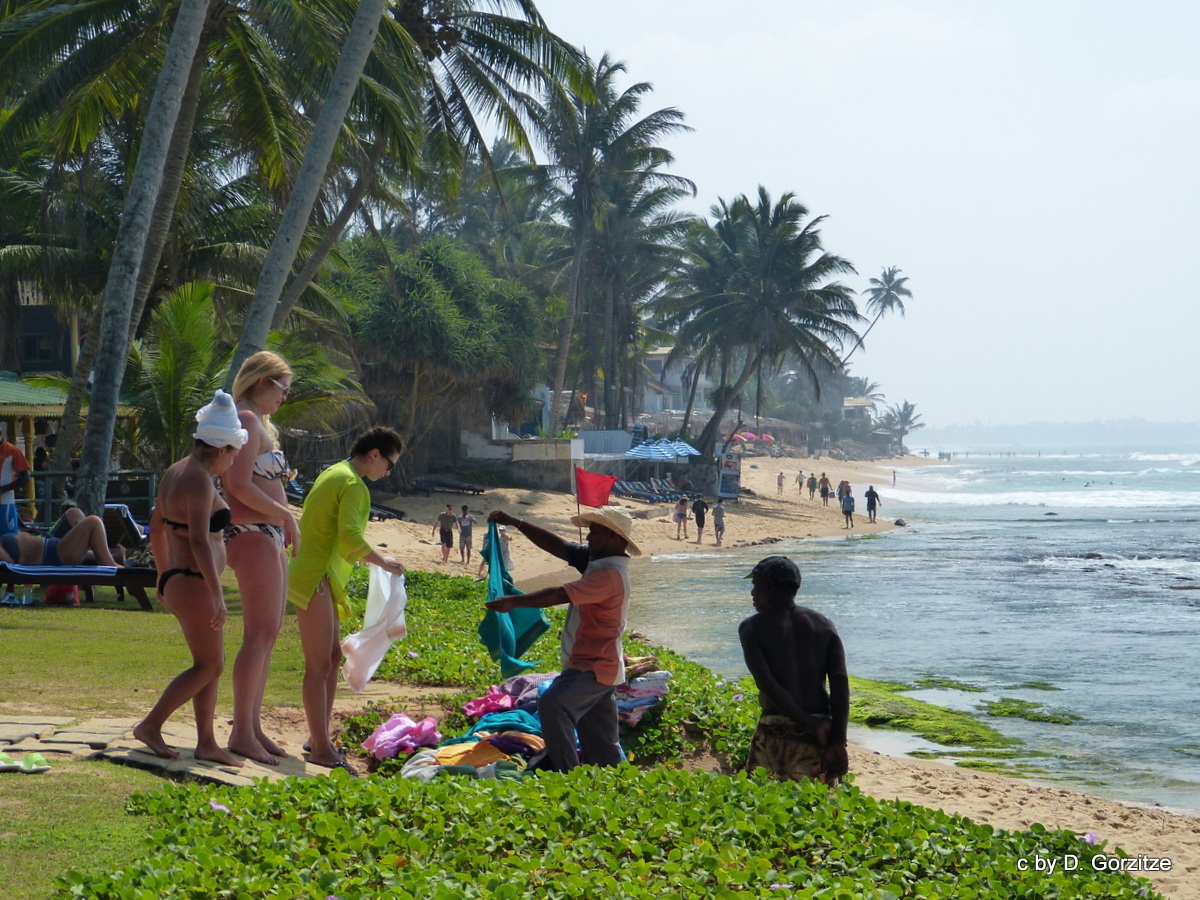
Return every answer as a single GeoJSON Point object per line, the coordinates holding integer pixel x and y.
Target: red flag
{"type": "Point", "coordinates": [592, 489]}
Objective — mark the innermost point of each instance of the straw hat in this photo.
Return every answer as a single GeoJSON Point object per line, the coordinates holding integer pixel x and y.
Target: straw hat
{"type": "Point", "coordinates": [616, 519]}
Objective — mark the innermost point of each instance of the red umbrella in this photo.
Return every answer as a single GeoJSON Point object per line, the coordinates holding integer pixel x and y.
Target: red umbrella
{"type": "Point", "coordinates": [765, 437]}
{"type": "Point", "coordinates": [738, 437]}
{"type": "Point", "coordinates": [749, 435]}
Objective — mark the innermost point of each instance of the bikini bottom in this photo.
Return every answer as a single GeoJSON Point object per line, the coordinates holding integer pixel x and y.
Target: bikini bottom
{"type": "Point", "coordinates": [274, 532]}
{"type": "Point", "coordinates": [171, 573]}
{"type": "Point", "coordinates": [50, 553]}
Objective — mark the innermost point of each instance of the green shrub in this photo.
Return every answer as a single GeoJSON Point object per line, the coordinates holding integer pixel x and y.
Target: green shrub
{"type": "Point", "coordinates": [612, 833]}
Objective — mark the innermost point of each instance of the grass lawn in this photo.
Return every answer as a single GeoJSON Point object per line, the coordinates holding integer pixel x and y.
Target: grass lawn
{"type": "Point", "coordinates": [103, 659]}
{"type": "Point", "coordinates": [113, 659]}
{"type": "Point", "coordinates": [72, 817]}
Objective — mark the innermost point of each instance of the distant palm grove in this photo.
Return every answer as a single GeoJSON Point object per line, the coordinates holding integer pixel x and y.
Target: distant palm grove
{"type": "Point", "coordinates": [429, 207]}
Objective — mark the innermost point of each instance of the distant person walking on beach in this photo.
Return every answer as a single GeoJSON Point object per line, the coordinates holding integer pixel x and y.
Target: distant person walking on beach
{"type": "Point", "coordinates": [779, 484]}
{"type": "Point", "coordinates": [873, 502]}
{"type": "Point", "coordinates": [796, 658]}
{"type": "Point", "coordinates": [718, 512]}
{"type": "Point", "coordinates": [466, 533]}
{"type": "Point", "coordinates": [800, 482]}
{"type": "Point", "coordinates": [187, 534]}
{"type": "Point", "coordinates": [580, 701]}
{"type": "Point", "coordinates": [826, 487]}
{"type": "Point", "coordinates": [699, 510]}
{"type": "Point", "coordinates": [444, 525]}
{"type": "Point", "coordinates": [847, 503]}
{"type": "Point", "coordinates": [505, 550]}
{"type": "Point", "coordinates": [812, 485]}
{"type": "Point", "coordinates": [680, 515]}
{"type": "Point", "coordinates": [843, 489]}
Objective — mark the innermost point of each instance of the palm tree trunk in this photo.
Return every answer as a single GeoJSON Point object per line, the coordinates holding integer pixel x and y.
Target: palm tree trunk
{"type": "Point", "coordinates": [707, 441]}
{"type": "Point", "coordinates": [332, 234]}
{"type": "Point", "coordinates": [610, 355]}
{"type": "Point", "coordinates": [355, 51]}
{"type": "Point", "coordinates": [862, 338]}
{"type": "Point", "coordinates": [564, 344]}
{"type": "Point", "coordinates": [168, 195]}
{"type": "Point", "coordinates": [119, 292]}
{"type": "Point", "coordinates": [68, 426]}
{"type": "Point", "coordinates": [691, 402]}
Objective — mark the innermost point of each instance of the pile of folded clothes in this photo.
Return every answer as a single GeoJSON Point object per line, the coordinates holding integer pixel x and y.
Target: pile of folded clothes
{"type": "Point", "coordinates": [507, 741]}
{"type": "Point", "coordinates": [502, 744]}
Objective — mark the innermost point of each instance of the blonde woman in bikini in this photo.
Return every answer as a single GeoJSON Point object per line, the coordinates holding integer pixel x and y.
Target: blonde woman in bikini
{"type": "Point", "coordinates": [187, 536]}
{"type": "Point", "coordinates": [256, 541]}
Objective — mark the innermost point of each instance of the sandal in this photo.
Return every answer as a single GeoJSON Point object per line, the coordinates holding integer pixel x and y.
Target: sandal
{"type": "Point", "coordinates": [340, 764]}
{"type": "Point", "coordinates": [7, 763]}
{"type": "Point", "coordinates": [34, 763]}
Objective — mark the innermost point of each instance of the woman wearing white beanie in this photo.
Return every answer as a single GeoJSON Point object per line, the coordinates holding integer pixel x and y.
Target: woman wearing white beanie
{"type": "Point", "coordinates": [187, 535]}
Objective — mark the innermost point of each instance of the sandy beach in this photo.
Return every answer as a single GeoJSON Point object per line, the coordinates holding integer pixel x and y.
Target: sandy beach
{"type": "Point", "coordinates": [997, 800]}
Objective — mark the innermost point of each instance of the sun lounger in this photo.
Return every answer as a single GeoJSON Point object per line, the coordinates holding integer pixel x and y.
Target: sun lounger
{"type": "Point", "coordinates": [455, 487]}
{"type": "Point", "coordinates": [134, 580]}
{"type": "Point", "coordinates": [386, 512]}
{"type": "Point", "coordinates": [638, 490]}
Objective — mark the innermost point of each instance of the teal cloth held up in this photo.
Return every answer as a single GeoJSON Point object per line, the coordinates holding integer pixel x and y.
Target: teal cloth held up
{"type": "Point", "coordinates": [507, 635]}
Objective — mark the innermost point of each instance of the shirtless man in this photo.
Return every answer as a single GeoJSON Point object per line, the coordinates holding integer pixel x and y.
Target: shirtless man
{"type": "Point", "coordinates": [797, 661]}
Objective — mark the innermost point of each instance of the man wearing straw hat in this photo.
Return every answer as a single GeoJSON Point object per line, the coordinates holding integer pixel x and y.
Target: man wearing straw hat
{"type": "Point", "coordinates": [581, 698]}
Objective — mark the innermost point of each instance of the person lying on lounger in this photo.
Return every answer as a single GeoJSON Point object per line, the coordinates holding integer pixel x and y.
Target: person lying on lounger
{"type": "Point", "coordinates": [33, 550]}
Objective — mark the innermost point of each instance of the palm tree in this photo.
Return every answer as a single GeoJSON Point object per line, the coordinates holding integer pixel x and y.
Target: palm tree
{"type": "Point", "coordinates": [595, 142]}
{"type": "Point", "coordinates": [460, 60]}
{"type": "Point", "coordinates": [756, 292]}
{"type": "Point", "coordinates": [130, 247]}
{"type": "Point", "coordinates": [902, 419]}
{"type": "Point", "coordinates": [886, 293]}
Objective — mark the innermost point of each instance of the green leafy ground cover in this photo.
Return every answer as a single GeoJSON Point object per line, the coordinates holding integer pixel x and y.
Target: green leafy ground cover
{"type": "Point", "coordinates": [658, 832]}
{"type": "Point", "coordinates": [612, 833]}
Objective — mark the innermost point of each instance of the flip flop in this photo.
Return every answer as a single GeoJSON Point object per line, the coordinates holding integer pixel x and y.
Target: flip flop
{"type": "Point", "coordinates": [340, 764]}
{"type": "Point", "coordinates": [33, 763]}
{"type": "Point", "coordinates": [7, 763]}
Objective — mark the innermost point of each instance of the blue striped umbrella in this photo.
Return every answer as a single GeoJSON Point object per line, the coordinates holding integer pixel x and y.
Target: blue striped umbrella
{"type": "Point", "coordinates": [683, 448]}
{"type": "Point", "coordinates": [657, 450]}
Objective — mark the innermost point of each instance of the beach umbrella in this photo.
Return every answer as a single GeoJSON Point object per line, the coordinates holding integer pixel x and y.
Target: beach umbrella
{"type": "Point", "coordinates": [683, 448]}
{"type": "Point", "coordinates": [765, 437]}
{"type": "Point", "coordinates": [658, 450]}
{"type": "Point", "coordinates": [750, 435]}
{"type": "Point", "coordinates": [739, 438]}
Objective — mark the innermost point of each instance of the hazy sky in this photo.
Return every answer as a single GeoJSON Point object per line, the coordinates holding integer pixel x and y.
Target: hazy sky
{"type": "Point", "coordinates": [1032, 165]}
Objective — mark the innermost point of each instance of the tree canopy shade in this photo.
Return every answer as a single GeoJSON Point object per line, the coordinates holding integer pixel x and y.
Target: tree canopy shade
{"type": "Point", "coordinates": [602, 157]}
{"type": "Point", "coordinates": [434, 329]}
{"type": "Point", "coordinates": [757, 289]}
{"type": "Point", "coordinates": [459, 61]}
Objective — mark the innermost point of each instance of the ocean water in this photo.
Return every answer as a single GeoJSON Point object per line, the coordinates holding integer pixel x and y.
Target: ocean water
{"type": "Point", "coordinates": [1071, 569]}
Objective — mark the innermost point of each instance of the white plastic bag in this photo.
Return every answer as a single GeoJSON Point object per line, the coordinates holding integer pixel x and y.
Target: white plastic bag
{"type": "Point", "coordinates": [383, 623]}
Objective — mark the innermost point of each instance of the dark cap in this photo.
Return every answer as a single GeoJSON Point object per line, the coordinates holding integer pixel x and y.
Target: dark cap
{"type": "Point", "coordinates": [777, 569]}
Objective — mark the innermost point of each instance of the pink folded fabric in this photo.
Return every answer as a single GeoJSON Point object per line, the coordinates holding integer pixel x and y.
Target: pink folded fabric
{"type": "Point", "coordinates": [494, 700]}
{"type": "Point", "coordinates": [400, 734]}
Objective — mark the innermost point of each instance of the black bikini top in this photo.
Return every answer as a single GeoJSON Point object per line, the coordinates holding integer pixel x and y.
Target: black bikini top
{"type": "Point", "coordinates": [218, 521]}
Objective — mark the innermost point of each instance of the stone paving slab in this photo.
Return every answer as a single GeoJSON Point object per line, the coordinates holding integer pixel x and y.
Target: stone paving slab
{"type": "Point", "coordinates": [186, 766]}
{"type": "Point", "coordinates": [56, 721]}
{"type": "Point", "coordinates": [12, 733]}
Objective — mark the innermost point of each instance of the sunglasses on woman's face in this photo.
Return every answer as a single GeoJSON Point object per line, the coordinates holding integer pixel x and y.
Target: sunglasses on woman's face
{"type": "Point", "coordinates": [286, 388]}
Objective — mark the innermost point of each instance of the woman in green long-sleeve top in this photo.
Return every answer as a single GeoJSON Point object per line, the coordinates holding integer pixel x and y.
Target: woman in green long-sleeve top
{"type": "Point", "coordinates": [332, 539]}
